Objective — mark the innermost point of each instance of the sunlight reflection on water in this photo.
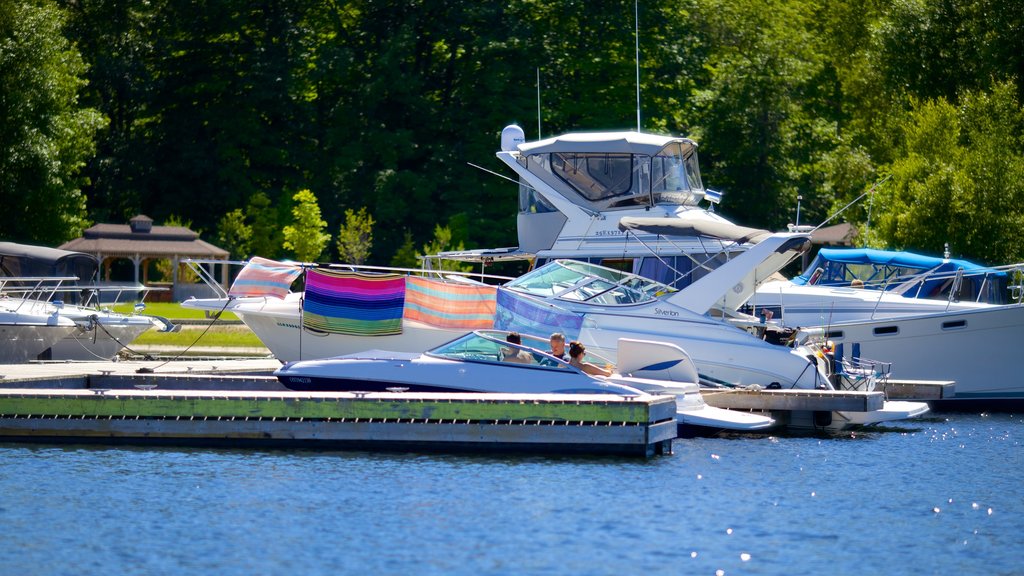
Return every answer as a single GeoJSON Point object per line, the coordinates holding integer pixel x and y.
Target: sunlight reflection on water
{"type": "Point", "coordinates": [938, 495]}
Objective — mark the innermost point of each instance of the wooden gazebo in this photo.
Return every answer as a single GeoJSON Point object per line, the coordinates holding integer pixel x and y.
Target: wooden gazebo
{"type": "Point", "coordinates": [140, 241]}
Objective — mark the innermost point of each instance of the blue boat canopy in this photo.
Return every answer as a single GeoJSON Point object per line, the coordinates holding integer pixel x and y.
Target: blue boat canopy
{"type": "Point", "coordinates": [914, 275]}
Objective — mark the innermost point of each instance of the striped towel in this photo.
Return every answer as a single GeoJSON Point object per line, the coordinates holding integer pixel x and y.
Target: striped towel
{"type": "Point", "coordinates": [353, 303]}
{"type": "Point", "coordinates": [449, 305]}
{"type": "Point", "coordinates": [523, 314]}
{"type": "Point", "coordinates": [263, 277]}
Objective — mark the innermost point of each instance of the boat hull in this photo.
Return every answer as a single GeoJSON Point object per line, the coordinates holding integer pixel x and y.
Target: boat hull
{"type": "Point", "coordinates": [977, 349]}
{"type": "Point", "coordinates": [22, 343]}
{"type": "Point", "coordinates": [97, 343]}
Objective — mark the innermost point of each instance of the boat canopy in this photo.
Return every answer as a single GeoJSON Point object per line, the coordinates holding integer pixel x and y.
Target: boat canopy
{"type": "Point", "coordinates": [583, 282]}
{"type": "Point", "coordinates": [603, 142]}
{"type": "Point", "coordinates": [691, 227]}
{"type": "Point", "coordinates": [27, 260]}
{"type": "Point", "coordinates": [914, 275]}
{"type": "Point", "coordinates": [607, 170]}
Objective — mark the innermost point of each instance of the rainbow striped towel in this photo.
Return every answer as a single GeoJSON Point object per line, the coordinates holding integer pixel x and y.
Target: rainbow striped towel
{"type": "Point", "coordinates": [449, 305]}
{"type": "Point", "coordinates": [263, 277]}
{"type": "Point", "coordinates": [353, 303]}
{"type": "Point", "coordinates": [524, 314]}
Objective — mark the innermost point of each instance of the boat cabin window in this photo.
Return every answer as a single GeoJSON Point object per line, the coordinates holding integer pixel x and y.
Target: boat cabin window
{"type": "Point", "coordinates": [595, 176]}
{"type": "Point", "coordinates": [530, 202]}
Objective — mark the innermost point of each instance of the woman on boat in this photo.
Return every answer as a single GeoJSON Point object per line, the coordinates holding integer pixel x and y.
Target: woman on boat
{"type": "Point", "coordinates": [576, 352]}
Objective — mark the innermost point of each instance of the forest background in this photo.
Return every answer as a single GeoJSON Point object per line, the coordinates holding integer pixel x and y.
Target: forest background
{"type": "Point", "coordinates": [231, 115]}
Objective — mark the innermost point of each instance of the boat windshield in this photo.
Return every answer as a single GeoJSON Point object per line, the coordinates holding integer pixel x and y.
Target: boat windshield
{"type": "Point", "coordinates": [675, 175]}
{"type": "Point", "coordinates": [491, 346]}
{"type": "Point", "coordinates": [583, 282]}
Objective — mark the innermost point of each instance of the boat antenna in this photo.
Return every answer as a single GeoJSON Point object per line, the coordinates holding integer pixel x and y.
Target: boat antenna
{"type": "Point", "coordinates": [636, 30]}
{"type": "Point", "coordinates": [588, 211]}
{"type": "Point", "coordinates": [538, 103]}
{"type": "Point", "coordinates": [854, 201]}
{"type": "Point", "coordinates": [798, 199]}
{"type": "Point", "coordinates": [871, 203]}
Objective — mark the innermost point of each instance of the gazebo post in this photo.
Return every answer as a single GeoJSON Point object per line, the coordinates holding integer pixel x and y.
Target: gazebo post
{"type": "Point", "coordinates": [174, 278]}
{"type": "Point", "coordinates": [137, 260]}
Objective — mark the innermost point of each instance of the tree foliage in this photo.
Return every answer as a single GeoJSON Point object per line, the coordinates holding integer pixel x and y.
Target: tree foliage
{"type": "Point", "coordinates": [46, 136]}
{"type": "Point", "coordinates": [305, 236]}
{"type": "Point", "coordinates": [442, 242]}
{"type": "Point", "coordinates": [960, 173]}
{"type": "Point", "coordinates": [234, 234]}
{"type": "Point", "coordinates": [228, 105]}
{"type": "Point", "coordinates": [356, 236]}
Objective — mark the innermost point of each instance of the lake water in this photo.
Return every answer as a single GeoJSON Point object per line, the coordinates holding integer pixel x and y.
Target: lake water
{"type": "Point", "coordinates": [937, 496]}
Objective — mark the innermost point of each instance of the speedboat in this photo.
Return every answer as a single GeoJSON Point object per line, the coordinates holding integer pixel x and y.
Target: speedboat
{"type": "Point", "coordinates": [475, 362]}
{"type": "Point", "coordinates": [478, 362]}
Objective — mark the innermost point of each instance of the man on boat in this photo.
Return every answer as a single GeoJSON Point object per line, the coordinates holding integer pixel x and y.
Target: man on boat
{"type": "Point", "coordinates": [558, 346]}
{"type": "Point", "coordinates": [512, 354]}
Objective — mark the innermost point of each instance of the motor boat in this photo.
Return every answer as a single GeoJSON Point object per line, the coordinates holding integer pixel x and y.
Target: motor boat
{"type": "Point", "coordinates": [479, 362]}
{"type": "Point", "coordinates": [49, 281]}
{"type": "Point", "coordinates": [908, 274]}
{"type": "Point", "coordinates": [931, 318]}
{"type": "Point", "coordinates": [595, 304]}
{"type": "Point", "coordinates": [475, 362]}
{"type": "Point", "coordinates": [574, 189]}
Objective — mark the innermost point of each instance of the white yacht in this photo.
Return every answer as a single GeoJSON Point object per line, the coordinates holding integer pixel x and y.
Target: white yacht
{"type": "Point", "coordinates": [50, 281]}
{"type": "Point", "coordinates": [592, 303]}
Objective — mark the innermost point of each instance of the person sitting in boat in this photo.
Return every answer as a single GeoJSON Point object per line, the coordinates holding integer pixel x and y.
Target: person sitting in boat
{"type": "Point", "coordinates": [576, 352]}
{"type": "Point", "coordinates": [512, 354]}
{"type": "Point", "coordinates": [558, 346]}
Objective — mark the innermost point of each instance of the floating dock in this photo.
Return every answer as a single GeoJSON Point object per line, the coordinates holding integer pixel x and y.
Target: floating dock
{"type": "Point", "coordinates": [122, 405]}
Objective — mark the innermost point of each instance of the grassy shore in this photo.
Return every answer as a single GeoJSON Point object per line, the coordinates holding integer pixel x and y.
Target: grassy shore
{"type": "Point", "coordinates": [217, 334]}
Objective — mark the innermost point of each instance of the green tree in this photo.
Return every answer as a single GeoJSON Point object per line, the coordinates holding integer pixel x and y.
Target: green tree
{"type": "Point", "coordinates": [45, 135]}
{"type": "Point", "coordinates": [958, 178]}
{"type": "Point", "coordinates": [442, 242]}
{"type": "Point", "coordinates": [405, 256]}
{"type": "Point", "coordinates": [305, 236]}
{"type": "Point", "coordinates": [234, 234]}
{"type": "Point", "coordinates": [355, 237]}
{"type": "Point", "coordinates": [266, 226]}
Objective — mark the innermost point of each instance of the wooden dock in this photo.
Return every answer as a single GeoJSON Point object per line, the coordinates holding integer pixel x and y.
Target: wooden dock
{"type": "Point", "coordinates": [919, 390]}
{"type": "Point", "coordinates": [239, 405]}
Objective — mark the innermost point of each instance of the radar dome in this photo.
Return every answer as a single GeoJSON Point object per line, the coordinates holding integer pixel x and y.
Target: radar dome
{"type": "Point", "coordinates": [511, 137]}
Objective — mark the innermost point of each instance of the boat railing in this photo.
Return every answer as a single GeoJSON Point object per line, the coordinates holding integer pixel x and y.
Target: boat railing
{"type": "Point", "coordinates": [208, 277]}
{"type": "Point", "coordinates": [32, 290]}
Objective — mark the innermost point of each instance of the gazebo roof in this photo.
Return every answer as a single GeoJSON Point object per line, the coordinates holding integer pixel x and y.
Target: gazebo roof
{"type": "Point", "coordinates": [141, 238]}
